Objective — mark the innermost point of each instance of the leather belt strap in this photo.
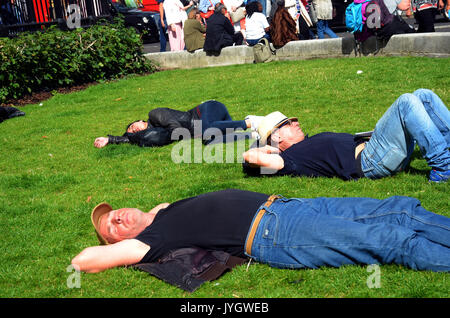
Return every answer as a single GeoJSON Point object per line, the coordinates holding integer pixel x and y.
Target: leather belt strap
{"type": "Point", "coordinates": [359, 149]}
{"type": "Point", "coordinates": [254, 227]}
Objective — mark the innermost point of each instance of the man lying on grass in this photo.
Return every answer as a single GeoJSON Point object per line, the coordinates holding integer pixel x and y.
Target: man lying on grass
{"type": "Point", "coordinates": [282, 232]}
{"type": "Point", "coordinates": [157, 131]}
{"type": "Point", "coordinates": [420, 118]}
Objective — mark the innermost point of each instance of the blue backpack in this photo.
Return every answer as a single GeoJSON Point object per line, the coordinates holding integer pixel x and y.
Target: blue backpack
{"type": "Point", "coordinates": [354, 19]}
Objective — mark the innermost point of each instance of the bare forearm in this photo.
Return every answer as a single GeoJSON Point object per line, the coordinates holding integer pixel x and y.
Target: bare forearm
{"type": "Point", "coordinates": [264, 157]}
{"type": "Point", "coordinates": [87, 261]}
{"type": "Point", "coordinates": [95, 259]}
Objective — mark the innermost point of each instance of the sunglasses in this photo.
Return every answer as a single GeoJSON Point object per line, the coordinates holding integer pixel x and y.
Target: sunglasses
{"type": "Point", "coordinates": [286, 123]}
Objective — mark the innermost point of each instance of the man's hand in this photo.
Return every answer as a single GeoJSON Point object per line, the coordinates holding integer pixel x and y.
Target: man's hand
{"type": "Point", "coordinates": [270, 150]}
{"type": "Point", "coordinates": [101, 142]}
{"type": "Point", "coordinates": [266, 156]}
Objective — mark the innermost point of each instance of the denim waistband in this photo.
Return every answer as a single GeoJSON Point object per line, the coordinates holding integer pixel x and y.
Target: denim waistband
{"type": "Point", "coordinates": [254, 226]}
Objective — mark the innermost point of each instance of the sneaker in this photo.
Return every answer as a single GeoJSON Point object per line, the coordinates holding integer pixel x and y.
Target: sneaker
{"type": "Point", "coordinates": [439, 176]}
{"type": "Point", "coordinates": [254, 121]}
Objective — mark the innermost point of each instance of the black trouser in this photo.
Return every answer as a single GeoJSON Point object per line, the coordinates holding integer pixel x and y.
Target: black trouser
{"type": "Point", "coordinates": [425, 18]}
{"type": "Point", "coordinates": [397, 26]}
{"type": "Point", "coordinates": [238, 38]}
{"type": "Point", "coordinates": [304, 33]}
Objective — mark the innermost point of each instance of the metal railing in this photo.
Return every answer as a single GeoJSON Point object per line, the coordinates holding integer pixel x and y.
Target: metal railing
{"type": "Point", "coordinates": [32, 15]}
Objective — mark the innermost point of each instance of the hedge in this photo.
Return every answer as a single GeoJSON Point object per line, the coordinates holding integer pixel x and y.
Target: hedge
{"type": "Point", "coordinates": [34, 62]}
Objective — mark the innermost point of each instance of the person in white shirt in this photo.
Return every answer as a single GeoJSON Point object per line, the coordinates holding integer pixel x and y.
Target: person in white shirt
{"type": "Point", "coordinates": [256, 25]}
{"type": "Point", "coordinates": [176, 15]}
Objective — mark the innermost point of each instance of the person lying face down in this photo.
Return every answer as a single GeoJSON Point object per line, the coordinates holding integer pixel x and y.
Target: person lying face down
{"type": "Point", "coordinates": [282, 232]}
{"type": "Point", "coordinates": [157, 130]}
{"type": "Point", "coordinates": [420, 118]}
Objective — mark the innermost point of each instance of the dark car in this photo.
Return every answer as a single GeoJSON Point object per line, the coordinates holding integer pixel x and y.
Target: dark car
{"type": "Point", "coordinates": [142, 22]}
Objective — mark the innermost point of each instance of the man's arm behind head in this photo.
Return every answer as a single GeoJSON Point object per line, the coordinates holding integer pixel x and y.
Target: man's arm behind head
{"type": "Point", "coordinates": [99, 258]}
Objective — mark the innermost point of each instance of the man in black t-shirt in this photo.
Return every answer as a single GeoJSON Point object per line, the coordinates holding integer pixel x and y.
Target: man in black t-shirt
{"type": "Point", "coordinates": [287, 150]}
{"type": "Point", "coordinates": [419, 118]}
{"type": "Point", "coordinates": [281, 232]}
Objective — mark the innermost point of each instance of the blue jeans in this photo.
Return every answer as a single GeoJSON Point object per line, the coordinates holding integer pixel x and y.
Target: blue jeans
{"type": "Point", "coordinates": [322, 27]}
{"type": "Point", "coordinates": [215, 115]}
{"type": "Point", "coordinates": [162, 32]}
{"type": "Point", "coordinates": [310, 233]}
{"type": "Point", "coordinates": [420, 117]}
{"type": "Point", "coordinates": [254, 42]}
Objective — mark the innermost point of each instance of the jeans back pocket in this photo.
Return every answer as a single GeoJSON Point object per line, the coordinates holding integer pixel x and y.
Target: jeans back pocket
{"type": "Point", "coordinates": [393, 159]}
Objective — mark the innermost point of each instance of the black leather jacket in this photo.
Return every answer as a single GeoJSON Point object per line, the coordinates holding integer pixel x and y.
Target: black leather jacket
{"type": "Point", "coordinates": [9, 112]}
{"type": "Point", "coordinates": [161, 123]}
{"type": "Point", "coordinates": [188, 268]}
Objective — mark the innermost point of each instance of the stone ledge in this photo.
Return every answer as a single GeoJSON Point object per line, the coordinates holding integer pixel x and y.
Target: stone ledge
{"type": "Point", "coordinates": [424, 44]}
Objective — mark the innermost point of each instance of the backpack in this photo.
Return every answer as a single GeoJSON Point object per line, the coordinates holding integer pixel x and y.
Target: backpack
{"type": "Point", "coordinates": [377, 15]}
{"type": "Point", "coordinates": [263, 52]}
{"type": "Point", "coordinates": [354, 18]}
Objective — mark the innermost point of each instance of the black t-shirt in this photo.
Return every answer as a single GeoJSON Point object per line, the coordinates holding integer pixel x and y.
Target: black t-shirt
{"type": "Point", "coordinates": [216, 220]}
{"type": "Point", "coordinates": [323, 155]}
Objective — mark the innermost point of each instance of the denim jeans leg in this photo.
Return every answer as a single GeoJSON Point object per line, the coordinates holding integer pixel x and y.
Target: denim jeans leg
{"type": "Point", "coordinates": [329, 32]}
{"type": "Point", "coordinates": [252, 42]}
{"type": "Point", "coordinates": [405, 211]}
{"type": "Point", "coordinates": [295, 233]}
{"type": "Point", "coordinates": [437, 111]}
{"type": "Point", "coordinates": [320, 28]}
{"type": "Point", "coordinates": [214, 114]}
{"type": "Point", "coordinates": [392, 142]}
{"type": "Point", "coordinates": [162, 34]}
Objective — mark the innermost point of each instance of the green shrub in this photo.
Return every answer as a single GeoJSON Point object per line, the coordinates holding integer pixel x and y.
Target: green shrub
{"type": "Point", "coordinates": [51, 59]}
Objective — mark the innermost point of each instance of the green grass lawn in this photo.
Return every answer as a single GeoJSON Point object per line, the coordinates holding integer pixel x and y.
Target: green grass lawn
{"type": "Point", "coordinates": [51, 176]}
